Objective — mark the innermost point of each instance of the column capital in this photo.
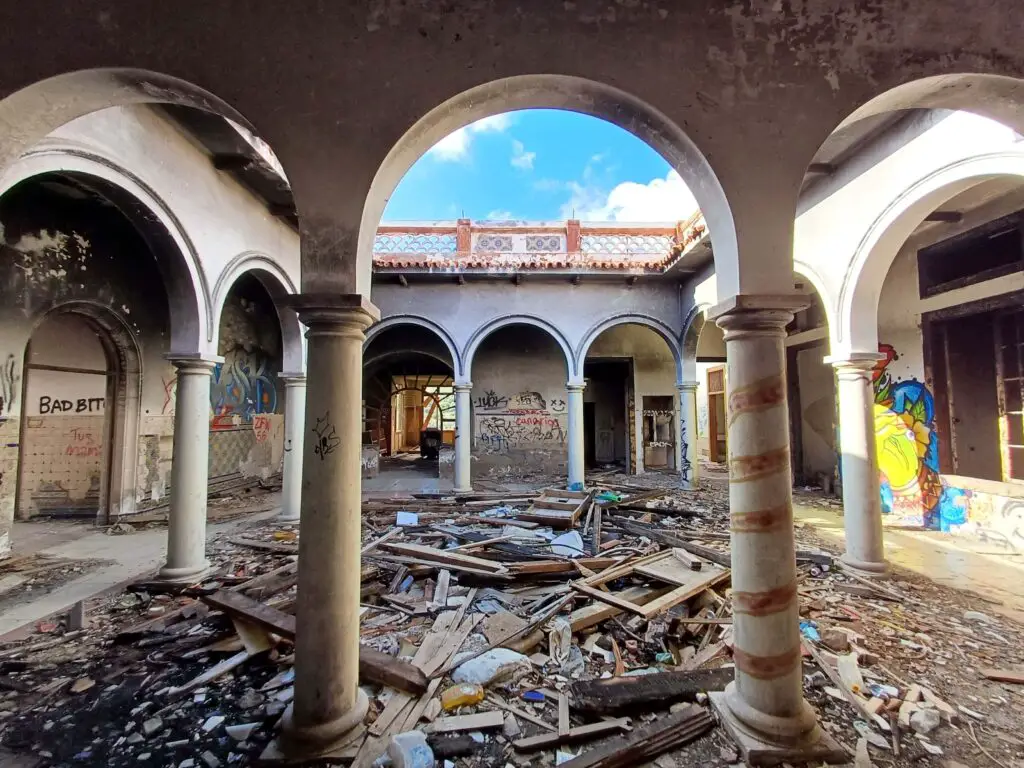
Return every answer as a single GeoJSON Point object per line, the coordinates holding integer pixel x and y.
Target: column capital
{"type": "Point", "coordinates": [323, 311]}
{"type": "Point", "coordinates": [463, 386]}
{"type": "Point", "coordinates": [293, 378]}
{"type": "Point", "coordinates": [859, 362]}
{"type": "Point", "coordinates": [687, 386]}
{"type": "Point", "coordinates": [194, 363]}
{"type": "Point", "coordinates": [757, 314]}
{"type": "Point", "coordinates": [575, 386]}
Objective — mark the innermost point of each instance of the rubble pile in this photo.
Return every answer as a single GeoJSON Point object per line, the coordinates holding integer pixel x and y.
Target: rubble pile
{"type": "Point", "coordinates": [556, 627]}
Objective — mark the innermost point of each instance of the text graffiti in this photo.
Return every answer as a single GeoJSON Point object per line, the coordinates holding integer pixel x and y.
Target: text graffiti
{"type": "Point", "coordinates": [326, 437]}
{"type": "Point", "coordinates": [261, 427]}
{"type": "Point", "coordinates": [504, 433]}
{"type": "Point", "coordinates": [81, 444]}
{"type": "Point", "coordinates": [79, 405]}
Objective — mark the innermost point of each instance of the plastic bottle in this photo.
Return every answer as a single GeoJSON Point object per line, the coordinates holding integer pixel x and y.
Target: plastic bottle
{"type": "Point", "coordinates": [462, 695]}
{"type": "Point", "coordinates": [410, 750]}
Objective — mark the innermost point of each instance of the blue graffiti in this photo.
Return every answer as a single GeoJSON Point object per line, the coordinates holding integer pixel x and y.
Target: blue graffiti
{"type": "Point", "coordinates": [241, 386]}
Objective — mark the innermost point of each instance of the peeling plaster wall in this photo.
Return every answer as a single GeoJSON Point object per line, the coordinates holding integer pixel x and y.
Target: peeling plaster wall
{"type": "Point", "coordinates": [58, 251]}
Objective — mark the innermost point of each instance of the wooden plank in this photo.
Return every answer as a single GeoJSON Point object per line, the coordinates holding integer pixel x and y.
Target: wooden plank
{"type": "Point", "coordinates": [561, 566]}
{"type": "Point", "coordinates": [593, 614]}
{"type": "Point", "coordinates": [482, 721]}
{"type": "Point", "coordinates": [610, 598]}
{"type": "Point", "coordinates": [617, 694]}
{"type": "Point", "coordinates": [571, 736]}
{"type": "Point", "coordinates": [563, 714]}
{"type": "Point", "coordinates": [447, 557]}
{"type": "Point", "coordinates": [709, 578]}
{"type": "Point", "coordinates": [266, 546]}
{"type": "Point", "coordinates": [1004, 675]}
{"type": "Point", "coordinates": [646, 743]}
{"type": "Point", "coordinates": [374, 666]}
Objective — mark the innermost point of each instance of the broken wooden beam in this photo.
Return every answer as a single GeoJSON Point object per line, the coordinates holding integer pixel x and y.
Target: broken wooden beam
{"type": "Point", "coordinates": [617, 694]}
{"type": "Point", "coordinates": [374, 666]}
{"type": "Point", "coordinates": [646, 743]}
{"type": "Point", "coordinates": [572, 735]}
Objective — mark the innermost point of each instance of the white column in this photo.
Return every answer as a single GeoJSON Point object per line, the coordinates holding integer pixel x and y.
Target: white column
{"type": "Point", "coordinates": [862, 504]}
{"type": "Point", "coordinates": [686, 449]}
{"type": "Point", "coordinates": [328, 702]}
{"type": "Point", "coordinates": [294, 421]}
{"type": "Point", "coordinates": [575, 436]}
{"type": "Point", "coordinates": [190, 469]}
{"type": "Point", "coordinates": [763, 708]}
{"type": "Point", "coordinates": [463, 437]}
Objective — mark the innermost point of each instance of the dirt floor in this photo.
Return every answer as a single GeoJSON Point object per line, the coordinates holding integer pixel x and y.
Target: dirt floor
{"type": "Point", "coordinates": [110, 694]}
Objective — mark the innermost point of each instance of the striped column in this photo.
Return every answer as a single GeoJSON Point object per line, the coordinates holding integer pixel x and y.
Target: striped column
{"type": "Point", "coordinates": [765, 701]}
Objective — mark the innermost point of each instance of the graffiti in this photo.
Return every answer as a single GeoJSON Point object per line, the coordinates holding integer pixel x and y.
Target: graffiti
{"type": "Point", "coordinates": [503, 433]}
{"type": "Point", "coordinates": [241, 388]}
{"type": "Point", "coordinates": [261, 427]}
{"type": "Point", "coordinates": [9, 381]}
{"type": "Point", "coordinates": [326, 437]}
{"type": "Point", "coordinates": [491, 401]}
{"type": "Point", "coordinates": [906, 446]}
{"type": "Point", "coordinates": [81, 444]}
{"type": "Point", "coordinates": [527, 402]}
{"type": "Point", "coordinates": [558, 406]}
{"type": "Point", "coordinates": [49, 404]}
{"type": "Point", "coordinates": [170, 394]}
{"type": "Point", "coordinates": [685, 468]}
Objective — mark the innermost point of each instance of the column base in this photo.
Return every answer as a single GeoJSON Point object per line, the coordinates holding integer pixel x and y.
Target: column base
{"type": "Point", "coordinates": [322, 739]}
{"type": "Point", "coordinates": [186, 573]}
{"type": "Point", "coordinates": [467, 489]}
{"type": "Point", "coordinates": [282, 518]}
{"type": "Point", "coordinates": [757, 749]}
{"type": "Point", "coordinates": [866, 569]}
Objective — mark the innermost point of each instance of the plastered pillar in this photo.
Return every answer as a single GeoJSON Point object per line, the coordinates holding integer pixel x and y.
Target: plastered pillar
{"type": "Point", "coordinates": [575, 436]}
{"type": "Point", "coordinates": [862, 505]}
{"type": "Point", "coordinates": [463, 437]}
{"type": "Point", "coordinates": [687, 442]}
{"type": "Point", "coordinates": [328, 702]}
{"type": "Point", "coordinates": [190, 468]}
{"type": "Point", "coordinates": [763, 707]}
{"type": "Point", "coordinates": [294, 421]}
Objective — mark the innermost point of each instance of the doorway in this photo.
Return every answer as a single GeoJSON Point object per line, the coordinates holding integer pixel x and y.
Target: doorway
{"type": "Point", "coordinates": [718, 449]}
{"type": "Point", "coordinates": [71, 373]}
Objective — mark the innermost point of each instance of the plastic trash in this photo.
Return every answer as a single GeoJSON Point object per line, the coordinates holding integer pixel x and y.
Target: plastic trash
{"type": "Point", "coordinates": [533, 696]}
{"type": "Point", "coordinates": [497, 664]}
{"type": "Point", "coordinates": [810, 630]}
{"type": "Point", "coordinates": [407, 518]}
{"type": "Point", "coordinates": [463, 695]}
{"type": "Point", "coordinates": [569, 544]}
{"type": "Point", "coordinates": [849, 672]}
{"type": "Point", "coordinates": [573, 667]}
{"type": "Point", "coordinates": [410, 750]}
{"type": "Point", "coordinates": [609, 496]}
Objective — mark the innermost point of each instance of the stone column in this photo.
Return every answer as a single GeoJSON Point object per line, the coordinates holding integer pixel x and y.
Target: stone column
{"type": "Point", "coordinates": [463, 437]}
{"type": "Point", "coordinates": [687, 440]}
{"type": "Point", "coordinates": [763, 708]}
{"type": "Point", "coordinates": [575, 436]}
{"type": "Point", "coordinates": [294, 421]}
{"type": "Point", "coordinates": [328, 702]}
{"type": "Point", "coordinates": [190, 470]}
{"type": "Point", "coordinates": [862, 504]}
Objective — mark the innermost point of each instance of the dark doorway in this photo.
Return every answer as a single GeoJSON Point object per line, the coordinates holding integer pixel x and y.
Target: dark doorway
{"type": "Point", "coordinates": [589, 434]}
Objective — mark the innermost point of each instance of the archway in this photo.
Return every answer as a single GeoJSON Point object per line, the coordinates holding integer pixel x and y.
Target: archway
{"type": "Point", "coordinates": [631, 416]}
{"type": "Point", "coordinates": [79, 416]}
{"type": "Point", "coordinates": [519, 368]}
{"type": "Point", "coordinates": [246, 392]}
{"type": "Point", "coordinates": [566, 93]}
{"type": "Point", "coordinates": [703, 363]}
{"type": "Point", "coordinates": [408, 407]}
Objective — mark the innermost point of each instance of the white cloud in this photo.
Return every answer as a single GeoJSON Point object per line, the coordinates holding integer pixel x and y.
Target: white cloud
{"type": "Point", "coordinates": [667, 199]}
{"type": "Point", "coordinates": [454, 147]}
{"type": "Point", "coordinates": [499, 215]}
{"type": "Point", "coordinates": [520, 157]}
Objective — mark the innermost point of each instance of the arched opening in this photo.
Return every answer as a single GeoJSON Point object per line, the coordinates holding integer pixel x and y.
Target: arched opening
{"type": "Point", "coordinates": [84, 310]}
{"type": "Point", "coordinates": [519, 403]}
{"type": "Point", "coordinates": [630, 404]}
{"type": "Point", "coordinates": [556, 92]}
{"type": "Point", "coordinates": [408, 410]}
{"type": "Point", "coordinates": [704, 363]}
{"type": "Point", "coordinates": [246, 392]}
{"type": "Point", "coordinates": [811, 393]}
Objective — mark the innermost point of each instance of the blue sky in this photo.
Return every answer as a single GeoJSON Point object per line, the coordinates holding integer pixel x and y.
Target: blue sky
{"type": "Point", "coordinates": [541, 165]}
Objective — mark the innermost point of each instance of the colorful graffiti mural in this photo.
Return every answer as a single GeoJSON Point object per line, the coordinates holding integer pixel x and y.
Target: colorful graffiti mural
{"type": "Point", "coordinates": [907, 445]}
{"type": "Point", "coordinates": [241, 388]}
